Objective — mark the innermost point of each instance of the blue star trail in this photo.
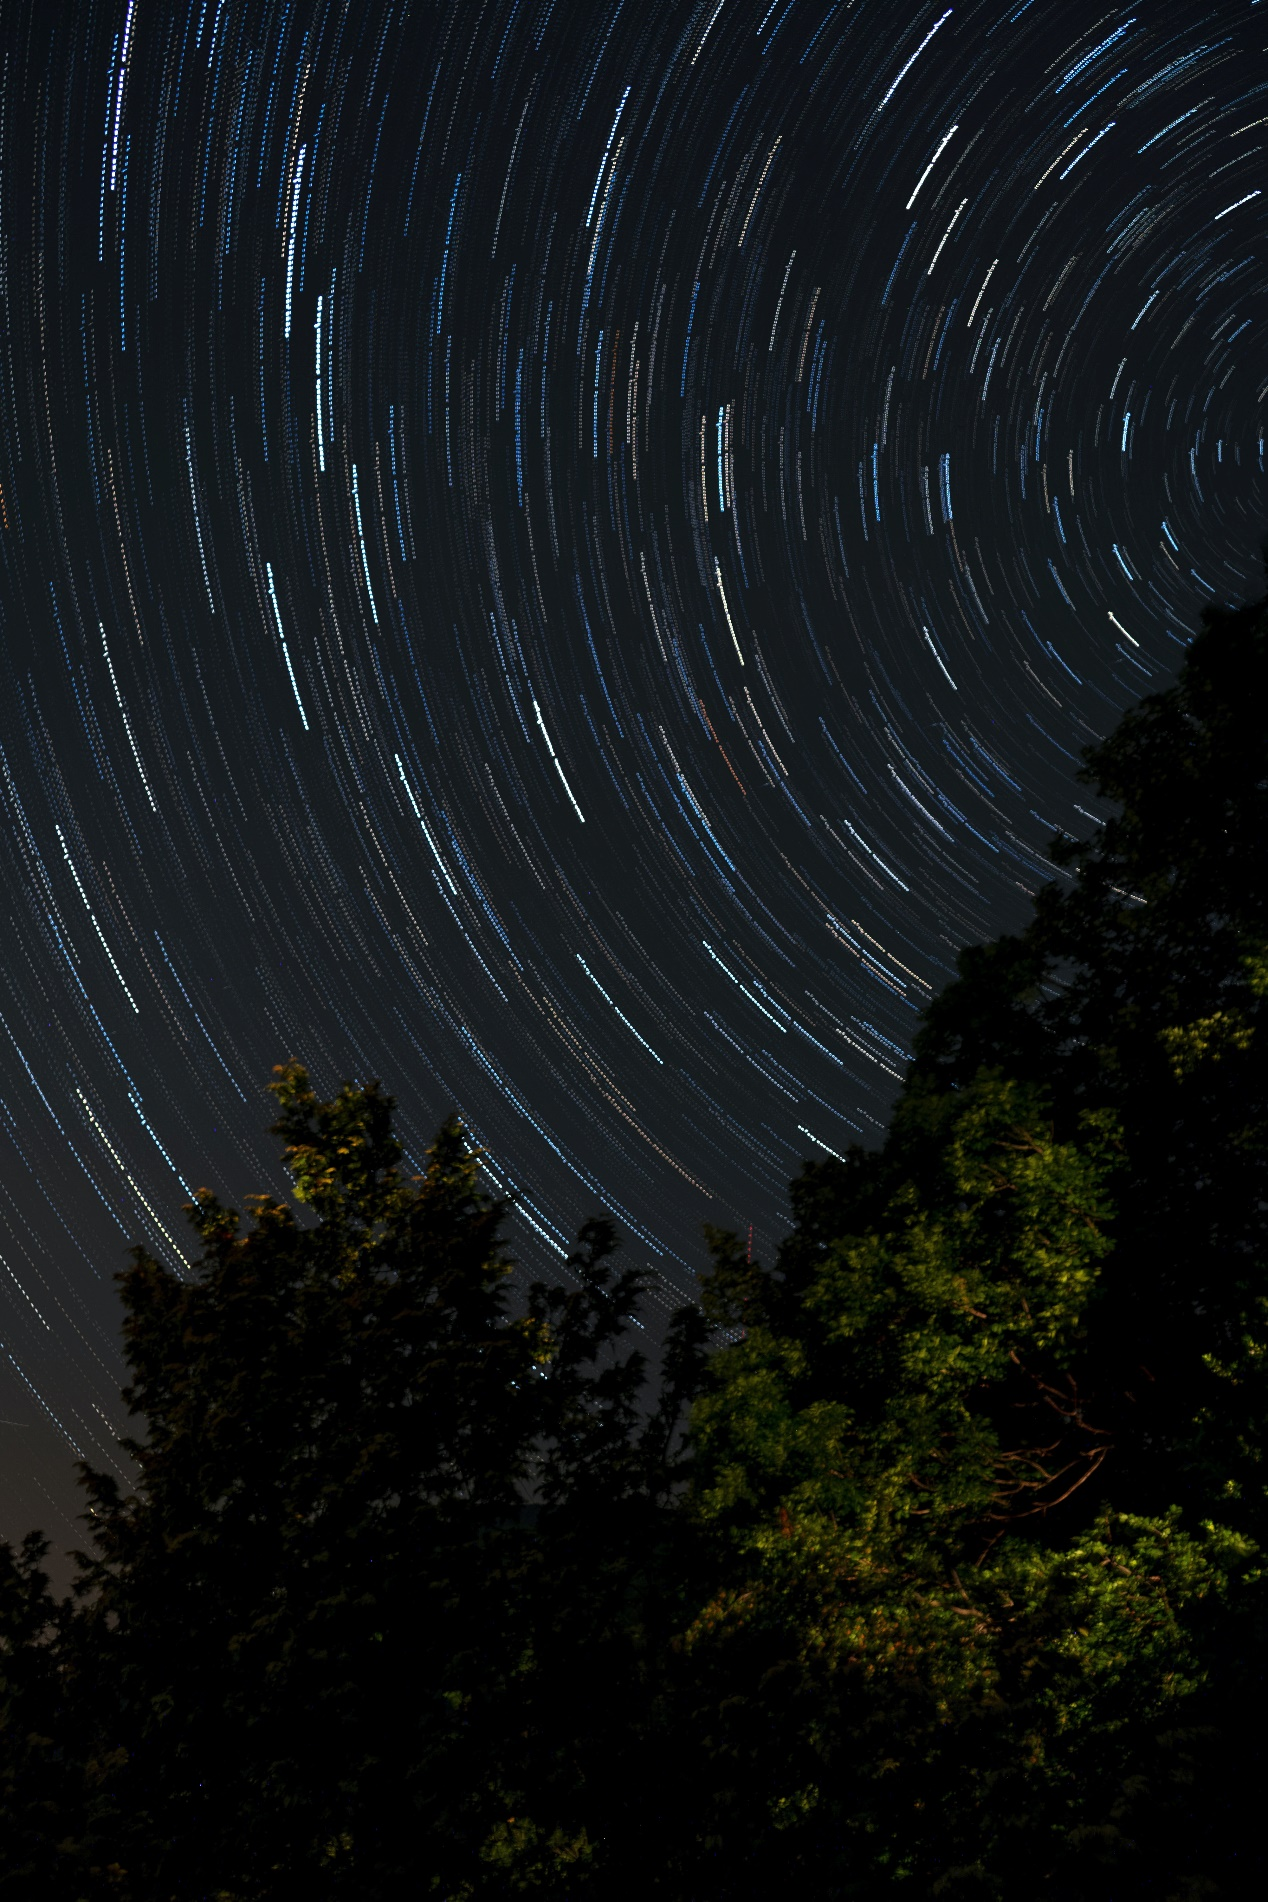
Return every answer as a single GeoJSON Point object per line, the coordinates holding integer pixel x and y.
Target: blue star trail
{"type": "Point", "coordinates": [563, 556]}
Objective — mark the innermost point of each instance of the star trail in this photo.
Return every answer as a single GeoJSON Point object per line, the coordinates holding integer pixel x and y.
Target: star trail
{"type": "Point", "coordinates": [563, 557]}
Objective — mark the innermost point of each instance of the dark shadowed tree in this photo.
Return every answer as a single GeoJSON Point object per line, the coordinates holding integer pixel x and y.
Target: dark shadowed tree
{"type": "Point", "coordinates": [985, 1473]}
{"type": "Point", "coordinates": [362, 1618]}
{"type": "Point", "coordinates": [1142, 986]}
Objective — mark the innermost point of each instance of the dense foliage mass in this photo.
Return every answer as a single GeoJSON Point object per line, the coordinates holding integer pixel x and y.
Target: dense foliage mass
{"type": "Point", "coordinates": [930, 1559]}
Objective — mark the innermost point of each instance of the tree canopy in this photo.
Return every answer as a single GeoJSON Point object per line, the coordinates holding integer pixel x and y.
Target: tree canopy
{"type": "Point", "coordinates": [927, 1556]}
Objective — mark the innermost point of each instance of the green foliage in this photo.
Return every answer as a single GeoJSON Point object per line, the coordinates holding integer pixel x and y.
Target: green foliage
{"type": "Point", "coordinates": [1143, 988]}
{"type": "Point", "coordinates": [875, 1407]}
{"type": "Point", "coordinates": [983, 1479]}
{"type": "Point", "coordinates": [930, 1640]}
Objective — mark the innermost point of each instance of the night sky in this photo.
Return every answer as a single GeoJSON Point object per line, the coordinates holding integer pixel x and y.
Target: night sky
{"type": "Point", "coordinates": [563, 556]}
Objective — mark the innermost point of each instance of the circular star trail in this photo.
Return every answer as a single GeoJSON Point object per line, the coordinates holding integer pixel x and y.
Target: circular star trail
{"type": "Point", "coordinates": [563, 556]}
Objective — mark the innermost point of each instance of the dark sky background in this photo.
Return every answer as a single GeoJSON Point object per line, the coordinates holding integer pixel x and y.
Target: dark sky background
{"type": "Point", "coordinates": [562, 555]}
